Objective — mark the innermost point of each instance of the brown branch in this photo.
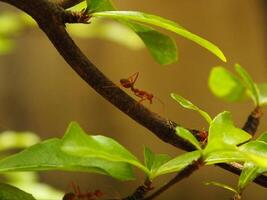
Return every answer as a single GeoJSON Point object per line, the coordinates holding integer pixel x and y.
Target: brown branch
{"type": "Point", "coordinates": [253, 121]}
{"type": "Point", "coordinates": [50, 18]}
{"type": "Point", "coordinates": [186, 172]}
{"type": "Point", "coordinates": [141, 191]}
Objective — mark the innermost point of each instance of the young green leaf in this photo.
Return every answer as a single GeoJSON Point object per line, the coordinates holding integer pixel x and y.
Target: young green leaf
{"type": "Point", "coordinates": [47, 155]}
{"type": "Point", "coordinates": [162, 47]}
{"type": "Point", "coordinates": [188, 136]}
{"type": "Point", "coordinates": [226, 155]}
{"type": "Point", "coordinates": [77, 143]}
{"type": "Point", "coordinates": [249, 173]}
{"type": "Point", "coordinates": [221, 185]}
{"type": "Point", "coordinates": [163, 23]}
{"type": "Point", "coordinates": [249, 83]}
{"type": "Point", "coordinates": [179, 163]}
{"type": "Point", "coordinates": [187, 104]}
{"type": "Point", "coordinates": [225, 85]}
{"type": "Point", "coordinates": [256, 151]}
{"type": "Point", "coordinates": [224, 135]}
{"type": "Point", "coordinates": [263, 93]}
{"type": "Point", "coordinates": [8, 192]}
{"type": "Point", "coordinates": [250, 170]}
{"type": "Point", "coordinates": [154, 161]}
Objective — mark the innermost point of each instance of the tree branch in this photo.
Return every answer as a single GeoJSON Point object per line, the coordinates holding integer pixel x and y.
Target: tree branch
{"type": "Point", "coordinates": [50, 18]}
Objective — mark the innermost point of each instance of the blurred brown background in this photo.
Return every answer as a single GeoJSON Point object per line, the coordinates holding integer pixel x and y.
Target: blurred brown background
{"type": "Point", "coordinates": [41, 93]}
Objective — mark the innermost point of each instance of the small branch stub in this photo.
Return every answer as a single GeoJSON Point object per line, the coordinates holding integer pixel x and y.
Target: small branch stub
{"type": "Point", "coordinates": [77, 17]}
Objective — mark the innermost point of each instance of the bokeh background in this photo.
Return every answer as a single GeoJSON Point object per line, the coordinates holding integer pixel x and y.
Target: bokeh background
{"type": "Point", "coordinates": [41, 93]}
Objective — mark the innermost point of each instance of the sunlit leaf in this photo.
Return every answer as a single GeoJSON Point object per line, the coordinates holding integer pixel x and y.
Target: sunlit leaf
{"type": "Point", "coordinates": [224, 135]}
{"type": "Point", "coordinates": [224, 156]}
{"type": "Point", "coordinates": [49, 156]}
{"type": "Point", "coordinates": [224, 84]}
{"type": "Point", "coordinates": [8, 192]}
{"type": "Point", "coordinates": [162, 47]}
{"type": "Point", "coordinates": [187, 104]}
{"type": "Point", "coordinates": [154, 161]}
{"type": "Point", "coordinates": [263, 137]}
{"type": "Point", "coordinates": [249, 173]}
{"type": "Point", "coordinates": [256, 151]}
{"type": "Point", "coordinates": [188, 136]}
{"type": "Point", "coordinates": [249, 83]}
{"type": "Point", "coordinates": [77, 143]}
{"type": "Point", "coordinates": [163, 23]}
{"type": "Point", "coordinates": [179, 163]}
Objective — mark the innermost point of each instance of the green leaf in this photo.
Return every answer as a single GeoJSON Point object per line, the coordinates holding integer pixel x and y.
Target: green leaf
{"type": "Point", "coordinates": [249, 83]}
{"type": "Point", "coordinates": [224, 156]}
{"type": "Point", "coordinates": [179, 163]}
{"type": "Point", "coordinates": [225, 85]}
{"type": "Point", "coordinates": [221, 185]}
{"type": "Point", "coordinates": [224, 135]}
{"type": "Point", "coordinates": [256, 151]}
{"type": "Point", "coordinates": [263, 93]}
{"type": "Point", "coordinates": [162, 47]}
{"type": "Point", "coordinates": [154, 161]}
{"type": "Point", "coordinates": [263, 137]}
{"type": "Point", "coordinates": [163, 23]}
{"type": "Point", "coordinates": [188, 136]}
{"type": "Point", "coordinates": [47, 155]}
{"type": "Point", "coordinates": [100, 5]}
{"type": "Point", "coordinates": [187, 104]}
{"type": "Point", "coordinates": [77, 143]}
{"type": "Point", "coordinates": [8, 192]}
{"type": "Point", "coordinates": [11, 139]}
{"type": "Point", "coordinates": [249, 173]}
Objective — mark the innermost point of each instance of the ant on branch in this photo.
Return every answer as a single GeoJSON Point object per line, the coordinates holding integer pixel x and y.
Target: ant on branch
{"type": "Point", "coordinates": [77, 195]}
{"type": "Point", "coordinates": [129, 83]}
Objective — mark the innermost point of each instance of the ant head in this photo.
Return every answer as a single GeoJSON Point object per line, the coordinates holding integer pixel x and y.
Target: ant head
{"type": "Point", "coordinates": [126, 83]}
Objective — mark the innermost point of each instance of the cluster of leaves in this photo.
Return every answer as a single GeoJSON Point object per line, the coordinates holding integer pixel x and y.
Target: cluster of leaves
{"type": "Point", "coordinates": [162, 47]}
{"type": "Point", "coordinates": [229, 87]}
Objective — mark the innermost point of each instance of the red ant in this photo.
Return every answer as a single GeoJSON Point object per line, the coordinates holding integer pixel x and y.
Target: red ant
{"type": "Point", "coordinates": [77, 195]}
{"type": "Point", "coordinates": [129, 83]}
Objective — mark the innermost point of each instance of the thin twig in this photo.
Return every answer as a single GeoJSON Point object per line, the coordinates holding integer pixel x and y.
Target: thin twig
{"type": "Point", "coordinates": [141, 191]}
